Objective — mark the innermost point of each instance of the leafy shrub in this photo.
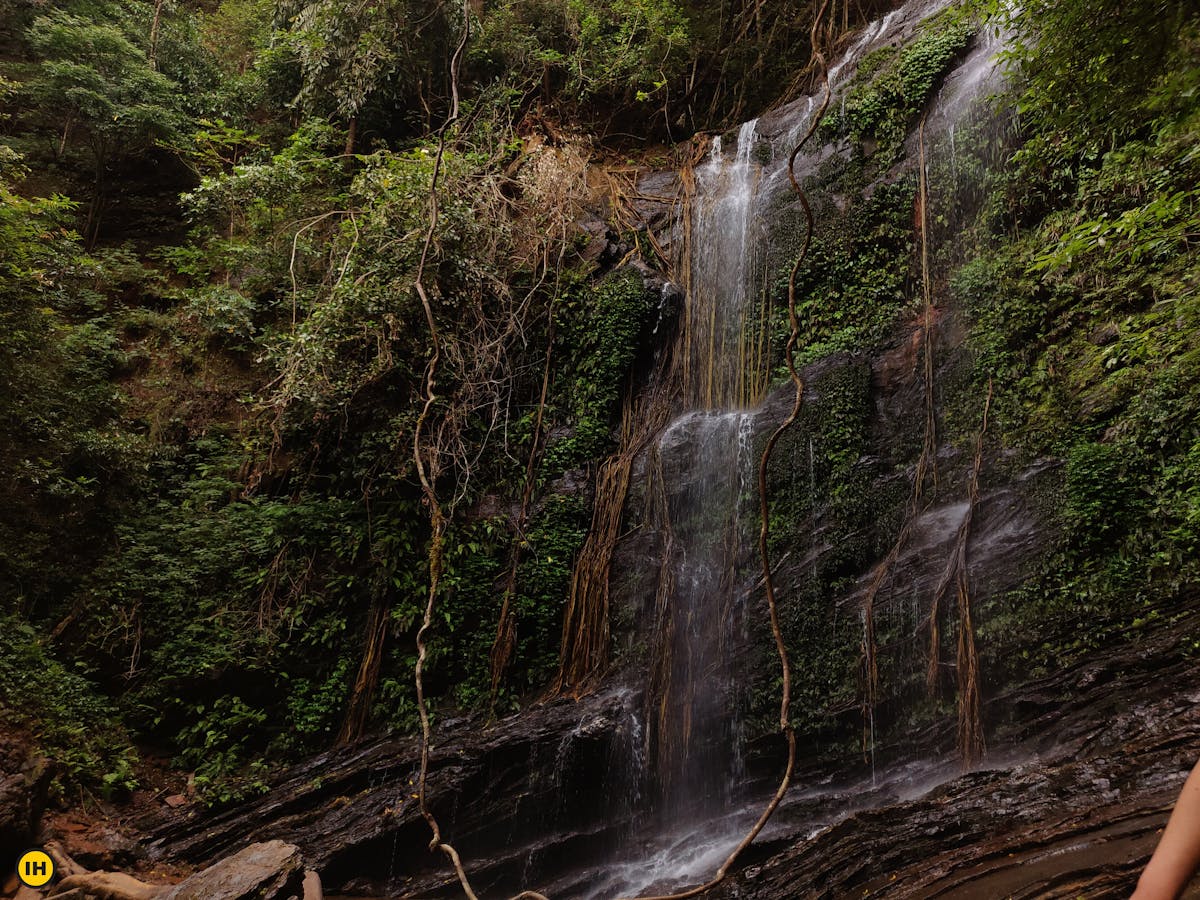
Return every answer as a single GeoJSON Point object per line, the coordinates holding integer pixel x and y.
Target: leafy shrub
{"type": "Point", "coordinates": [891, 88]}
{"type": "Point", "coordinates": [75, 726]}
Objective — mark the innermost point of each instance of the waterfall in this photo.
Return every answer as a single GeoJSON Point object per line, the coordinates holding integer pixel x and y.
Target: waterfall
{"type": "Point", "coordinates": [703, 464]}
{"type": "Point", "coordinates": [704, 461]}
{"type": "Point", "coordinates": [724, 342]}
{"type": "Point", "coordinates": [702, 504]}
{"type": "Point", "coordinates": [702, 608]}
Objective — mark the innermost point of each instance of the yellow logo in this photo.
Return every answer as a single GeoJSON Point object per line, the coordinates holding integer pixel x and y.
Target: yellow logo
{"type": "Point", "coordinates": [35, 868]}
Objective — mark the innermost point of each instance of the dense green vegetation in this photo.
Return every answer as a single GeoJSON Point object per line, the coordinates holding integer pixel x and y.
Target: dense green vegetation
{"type": "Point", "coordinates": [1064, 234]}
{"type": "Point", "coordinates": [212, 217]}
{"type": "Point", "coordinates": [1084, 294]}
{"type": "Point", "coordinates": [213, 350]}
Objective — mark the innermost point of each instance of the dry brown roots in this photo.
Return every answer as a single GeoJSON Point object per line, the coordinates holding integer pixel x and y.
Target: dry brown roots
{"type": "Point", "coordinates": [971, 744]}
{"type": "Point", "coordinates": [584, 652]}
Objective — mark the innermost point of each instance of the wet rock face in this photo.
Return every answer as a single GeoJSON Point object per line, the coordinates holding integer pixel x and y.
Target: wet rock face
{"type": "Point", "coordinates": [1069, 805]}
{"type": "Point", "coordinates": [520, 799]}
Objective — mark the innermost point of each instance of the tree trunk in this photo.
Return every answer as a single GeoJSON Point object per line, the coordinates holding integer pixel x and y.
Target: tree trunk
{"type": "Point", "coordinates": [62, 144]}
{"type": "Point", "coordinates": [158, 4]}
{"type": "Point", "coordinates": [91, 228]}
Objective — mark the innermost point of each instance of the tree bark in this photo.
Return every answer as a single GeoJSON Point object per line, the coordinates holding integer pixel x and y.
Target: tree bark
{"type": "Point", "coordinates": [158, 4]}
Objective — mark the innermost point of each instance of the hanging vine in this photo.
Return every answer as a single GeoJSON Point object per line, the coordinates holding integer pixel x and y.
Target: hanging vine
{"type": "Point", "coordinates": [427, 472]}
{"type": "Point", "coordinates": [427, 469]}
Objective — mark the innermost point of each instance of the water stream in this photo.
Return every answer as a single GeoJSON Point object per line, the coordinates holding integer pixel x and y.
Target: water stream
{"type": "Point", "coordinates": [705, 462]}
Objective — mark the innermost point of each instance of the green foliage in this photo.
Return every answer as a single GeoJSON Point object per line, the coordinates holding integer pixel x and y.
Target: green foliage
{"type": "Point", "coordinates": [348, 336]}
{"type": "Point", "coordinates": [217, 146]}
{"type": "Point", "coordinates": [1099, 495]}
{"type": "Point", "coordinates": [478, 558]}
{"type": "Point", "coordinates": [235, 33]}
{"type": "Point", "coordinates": [232, 617]}
{"type": "Point", "coordinates": [94, 78]}
{"type": "Point", "coordinates": [1084, 300]}
{"type": "Point", "coordinates": [61, 460]}
{"type": "Point", "coordinates": [555, 537]}
{"type": "Point", "coordinates": [1153, 232]}
{"type": "Point", "coordinates": [600, 333]}
{"type": "Point", "coordinates": [615, 51]}
{"type": "Point", "coordinates": [73, 724]}
{"type": "Point", "coordinates": [1087, 67]}
{"type": "Point", "coordinates": [215, 747]}
{"type": "Point", "coordinates": [892, 87]}
{"type": "Point", "coordinates": [627, 44]}
{"type": "Point", "coordinates": [852, 284]}
{"type": "Point", "coordinates": [344, 58]}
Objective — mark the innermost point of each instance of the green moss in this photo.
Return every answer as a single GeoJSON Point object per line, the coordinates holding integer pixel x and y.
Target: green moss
{"type": "Point", "coordinates": [892, 85]}
{"type": "Point", "coordinates": [825, 500]}
{"type": "Point", "coordinates": [852, 284]}
{"type": "Point", "coordinates": [1085, 312]}
{"type": "Point", "coordinates": [600, 332]}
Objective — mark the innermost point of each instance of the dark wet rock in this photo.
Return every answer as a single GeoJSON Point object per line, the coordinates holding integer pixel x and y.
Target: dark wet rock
{"type": "Point", "coordinates": [655, 200]}
{"type": "Point", "coordinates": [516, 798]}
{"type": "Point", "coordinates": [601, 241]}
{"type": "Point", "coordinates": [1070, 805]}
{"type": "Point", "coordinates": [1006, 538]}
{"type": "Point", "coordinates": [273, 870]}
{"type": "Point", "coordinates": [572, 483]}
{"type": "Point", "coordinates": [101, 847]}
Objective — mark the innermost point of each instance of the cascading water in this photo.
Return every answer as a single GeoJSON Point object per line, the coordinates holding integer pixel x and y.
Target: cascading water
{"type": "Point", "coordinates": [697, 712]}
{"type": "Point", "coordinates": [702, 476]}
{"type": "Point", "coordinates": [673, 798]}
{"type": "Point", "coordinates": [704, 463]}
{"type": "Point", "coordinates": [724, 342]}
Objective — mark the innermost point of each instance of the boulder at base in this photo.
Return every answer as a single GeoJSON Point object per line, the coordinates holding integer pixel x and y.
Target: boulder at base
{"type": "Point", "coordinates": [24, 777]}
{"type": "Point", "coordinates": [269, 871]}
